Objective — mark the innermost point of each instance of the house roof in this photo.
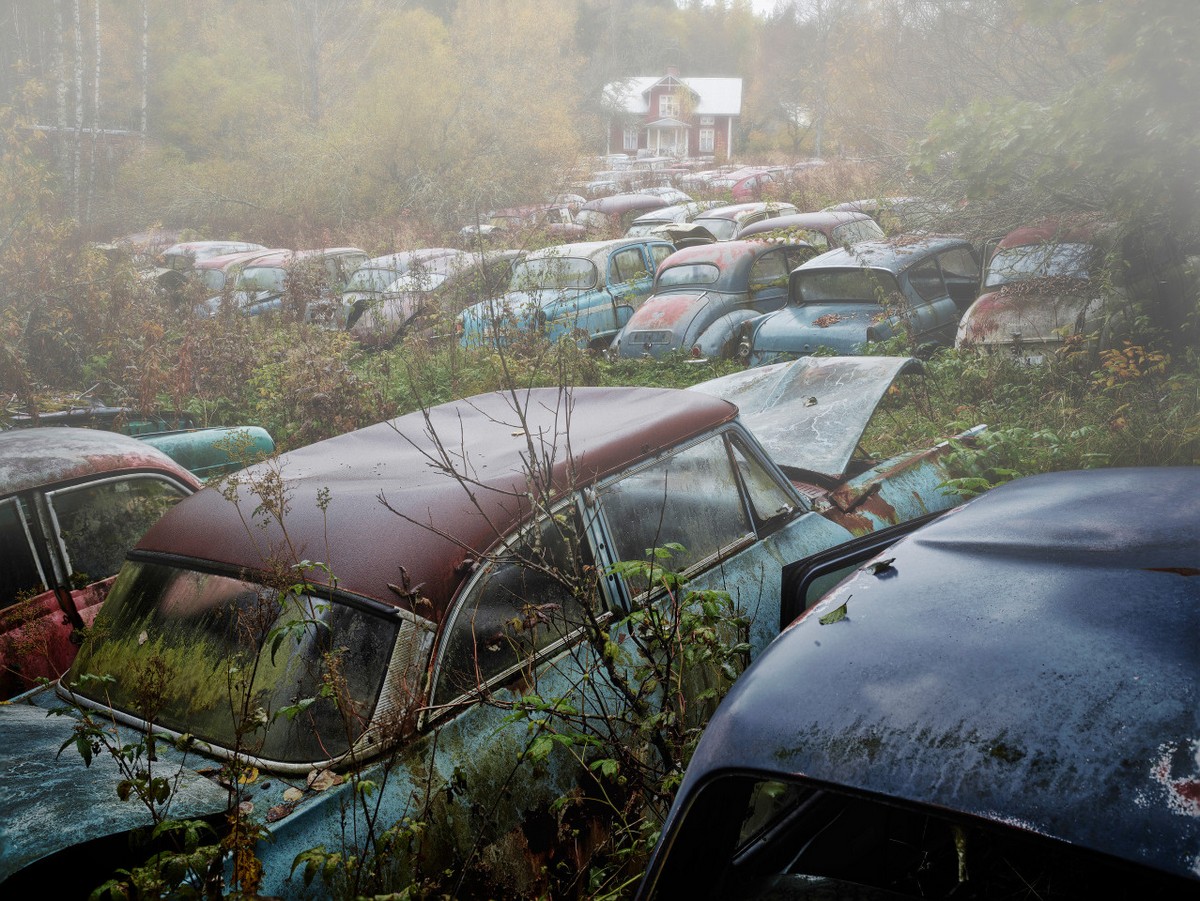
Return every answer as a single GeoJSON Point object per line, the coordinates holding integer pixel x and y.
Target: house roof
{"type": "Point", "coordinates": [715, 96]}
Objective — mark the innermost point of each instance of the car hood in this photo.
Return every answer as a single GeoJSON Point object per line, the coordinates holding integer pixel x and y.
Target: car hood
{"type": "Point", "coordinates": [52, 802]}
{"type": "Point", "coordinates": [1006, 317]}
{"type": "Point", "coordinates": [803, 329]}
{"type": "Point", "coordinates": [810, 413]}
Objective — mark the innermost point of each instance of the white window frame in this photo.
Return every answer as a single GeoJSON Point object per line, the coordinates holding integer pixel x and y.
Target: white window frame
{"type": "Point", "coordinates": [668, 106]}
{"type": "Point", "coordinates": [631, 137]}
{"type": "Point", "coordinates": [708, 140]}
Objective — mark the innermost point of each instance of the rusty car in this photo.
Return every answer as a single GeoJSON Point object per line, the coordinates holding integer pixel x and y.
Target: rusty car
{"type": "Point", "coordinates": [726, 222]}
{"type": "Point", "coordinates": [305, 284]}
{"type": "Point", "coordinates": [219, 274]}
{"type": "Point", "coordinates": [584, 292]}
{"type": "Point", "coordinates": [613, 214]}
{"type": "Point", "coordinates": [385, 292]}
{"type": "Point", "coordinates": [72, 502]}
{"type": "Point", "coordinates": [426, 299]}
{"type": "Point", "coordinates": [824, 230]}
{"type": "Point", "coordinates": [1078, 281]}
{"type": "Point", "coordinates": [703, 294]}
{"type": "Point", "coordinates": [1003, 704]}
{"type": "Point", "coordinates": [845, 298]}
{"type": "Point", "coordinates": [431, 570]}
{"type": "Point", "coordinates": [668, 215]}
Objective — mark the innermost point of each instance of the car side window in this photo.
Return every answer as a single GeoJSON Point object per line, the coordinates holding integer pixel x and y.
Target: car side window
{"type": "Point", "coordinates": [97, 523]}
{"type": "Point", "coordinates": [627, 265]}
{"type": "Point", "coordinates": [659, 252]}
{"type": "Point", "coordinates": [20, 574]}
{"type": "Point", "coordinates": [769, 271]}
{"type": "Point", "coordinates": [520, 605]}
{"type": "Point", "coordinates": [690, 498]}
{"type": "Point", "coordinates": [926, 280]}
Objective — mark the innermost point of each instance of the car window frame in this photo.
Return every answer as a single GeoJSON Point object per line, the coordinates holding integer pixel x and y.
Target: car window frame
{"type": "Point", "coordinates": [52, 528]}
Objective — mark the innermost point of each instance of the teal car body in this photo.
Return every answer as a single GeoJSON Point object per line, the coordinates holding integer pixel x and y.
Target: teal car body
{"type": "Point", "coordinates": [586, 291]}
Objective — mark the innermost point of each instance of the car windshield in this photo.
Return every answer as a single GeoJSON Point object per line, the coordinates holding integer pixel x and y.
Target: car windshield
{"type": "Point", "coordinates": [550, 273]}
{"type": "Point", "coordinates": [644, 228]}
{"type": "Point", "coordinates": [592, 219]}
{"type": "Point", "coordinates": [722, 229]}
{"type": "Point", "coordinates": [233, 660]}
{"type": "Point", "coordinates": [375, 281]}
{"type": "Point", "coordinates": [692, 274]}
{"type": "Point", "coordinates": [262, 278]}
{"type": "Point", "coordinates": [1018, 264]}
{"type": "Point", "coordinates": [843, 286]}
{"type": "Point", "coordinates": [212, 279]}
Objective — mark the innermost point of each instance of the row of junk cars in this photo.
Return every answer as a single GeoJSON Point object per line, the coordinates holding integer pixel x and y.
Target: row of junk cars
{"type": "Point", "coordinates": [996, 698]}
{"type": "Point", "coordinates": [757, 281]}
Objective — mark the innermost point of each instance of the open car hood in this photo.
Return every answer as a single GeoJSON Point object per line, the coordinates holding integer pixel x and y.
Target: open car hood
{"type": "Point", "coordinates": [811, 413]}
{"type": "Point", "coordinates": [54, 802]}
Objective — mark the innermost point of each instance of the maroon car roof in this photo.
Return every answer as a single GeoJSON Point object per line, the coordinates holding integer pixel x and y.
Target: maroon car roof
{"type": "Point", "coordinates": [366, 545]}
{"type": "Point", "coordinates": [1081, 231]}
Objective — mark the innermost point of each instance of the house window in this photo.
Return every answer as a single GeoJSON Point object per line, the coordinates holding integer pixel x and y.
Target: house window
{"type": "Point", "coordinates": [707, 120]}
{"type": "Point", "coordinates": [708, 138]}
{"type": "Point", "coordinates": [631, 137]}
{"type": "Point", "coordinates": [668, 106]}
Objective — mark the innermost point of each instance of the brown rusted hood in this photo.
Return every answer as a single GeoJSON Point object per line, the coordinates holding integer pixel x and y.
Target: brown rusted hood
{"type": "Point", "coordinates": [579, 435]}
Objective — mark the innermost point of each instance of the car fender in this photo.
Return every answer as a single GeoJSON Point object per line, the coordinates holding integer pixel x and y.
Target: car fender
{"type": "Point", "coordinates": [720, 339]}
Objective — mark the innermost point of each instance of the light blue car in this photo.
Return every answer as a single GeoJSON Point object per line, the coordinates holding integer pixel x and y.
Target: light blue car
{"type": "Point", "coordinates": [587, 291]}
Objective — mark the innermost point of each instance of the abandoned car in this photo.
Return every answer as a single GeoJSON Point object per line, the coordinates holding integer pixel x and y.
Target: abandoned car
{"type": "Point", "coordinates": [429, 296]}
{"type": "Point", "coordinates": [387, 290]}
{"type": "Point", "coordinates": [464, 563]}
{"type": "Point", "coordinates": [614, 214]}
{"type": "Point", "coordinates": [725, 223]}
{"type": "Point", "coordinates": [304, 284]}
{"type": "Point", "coordinates": [1070, 281]}
{"type": "Point", "coordinates": [842, 299]}
{"type": "Point", "coordinates": [668, 215]}
{"type": "Point", "coordinates": [72, 502]}
{"type": "Point", "coordinates": [583, 291]}
{"type": "Point", "coordinates": [703, 294]}
{"type": "Point", "coordinates": [1004, 704]}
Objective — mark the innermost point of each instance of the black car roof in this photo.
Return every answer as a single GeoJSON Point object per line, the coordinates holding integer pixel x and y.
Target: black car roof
{"type": "Point", "coordinates": [1031, 658]}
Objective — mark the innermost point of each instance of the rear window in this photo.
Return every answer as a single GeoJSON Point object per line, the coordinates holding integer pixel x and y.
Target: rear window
{"type": "Point", "coordinates": [691, 274]}
{"type": "Point", "coordinates": [262, 278]}
{"type": "Point", "coordinates": [843, 286]}
{"type": "Point", "coordinates": [230, 659]}
{"type": "Point", "coordinates": [722, 229]}
{"type": "Point", "coordinates": [1018, 264]}
{"type": "Point", "coordinates": [552, 273]}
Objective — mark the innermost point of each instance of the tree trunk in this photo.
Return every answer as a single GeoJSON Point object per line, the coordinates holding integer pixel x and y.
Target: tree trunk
{"type": "Point", "coordinates": [78, 136]}
{"type": "Point", "coordinates": [91, 179]}
{"type": "Point", "coordinates": [61, 88]}
{"type": "Point", "coordinates": [145, 67]}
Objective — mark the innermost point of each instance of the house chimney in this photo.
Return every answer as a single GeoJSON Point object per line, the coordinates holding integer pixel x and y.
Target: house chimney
{"type": "Point", "coordinates": [673, 70]}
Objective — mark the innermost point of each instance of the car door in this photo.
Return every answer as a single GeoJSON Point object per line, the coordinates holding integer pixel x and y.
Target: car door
{"type": "Point", "coordinates": [767, 287]}
{"type": "Point", "coordinates": [630, 278]}
{"type": "Point", "coordinates": [927, 312]}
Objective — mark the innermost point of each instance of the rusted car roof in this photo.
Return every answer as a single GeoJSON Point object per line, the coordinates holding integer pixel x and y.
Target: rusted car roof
{"type": "Point", "coordinates": [1055, 231]}
{"type": "Point", "coordinates": [733, 258]}
{"type": "Point", "coordinates": [824, 222]}
{"type": "Point", "coordinates": [1030, 659]}
{"type": "Point", "coordinates": [893, 255]}
{"type": "Point", "coordinates": [36, 457]}
{"type": "Point", "coordinates": [224, 261]}
{"type": "Point", "coordinates": [596, 251]}
{"type": "Point", "coordinates": [617, 204]}
{"type": "Point", "coordinates": [366, 545]}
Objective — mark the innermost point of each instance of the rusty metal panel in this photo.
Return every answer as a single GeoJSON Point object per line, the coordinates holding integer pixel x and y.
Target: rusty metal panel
{"type": "Point", "coordinates": [810, 413]}
{"type": "Point", "coordinates": [37, 457]}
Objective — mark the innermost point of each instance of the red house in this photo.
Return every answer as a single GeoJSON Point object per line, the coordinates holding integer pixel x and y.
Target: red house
{"type": "Point", "coordinates": [670, 115]}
